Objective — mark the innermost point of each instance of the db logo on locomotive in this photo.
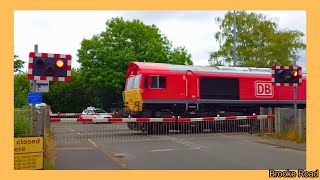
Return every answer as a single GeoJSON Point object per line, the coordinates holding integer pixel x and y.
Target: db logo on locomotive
{"type": "Point", "coordinates": [263, 89]}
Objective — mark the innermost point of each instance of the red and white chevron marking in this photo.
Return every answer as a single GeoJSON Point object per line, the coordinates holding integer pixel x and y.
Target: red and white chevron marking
{"type": "Point", "coordinates": [298, 68]}
{"type": "Point", "coordinates": [173, 119]}
{"type": "Point", "coordinates": [78, 114]}
{"type": "Point", "coordinates": [66, 114]}
{"type": "Point", "coordinates": [54, 120]}
{"type": "Point", "coordinates": [225, 118]}
{"type": "Point", "coordinates": [49, 78]}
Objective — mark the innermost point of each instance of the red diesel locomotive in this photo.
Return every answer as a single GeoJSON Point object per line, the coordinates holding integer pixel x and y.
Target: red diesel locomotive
{"type": "Point", "coordinates": [166, 90]}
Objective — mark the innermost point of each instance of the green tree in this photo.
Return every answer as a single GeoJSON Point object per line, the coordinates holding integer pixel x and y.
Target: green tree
{"type": "Point", "coordinates": [18, 64]}
{"type": "Point", "coordinates": [180, 55]}
{"type": "Point", "coordinates": [260, 42]}
{"type": "Point", "coordinates": [21, 89]}
{"type": "Point", "coordinates": [68, 96]}
{"type": "Point", "coordinates": [104, 58]}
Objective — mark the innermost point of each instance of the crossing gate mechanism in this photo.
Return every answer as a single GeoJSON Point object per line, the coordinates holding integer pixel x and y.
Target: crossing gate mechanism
{"type": "Point", "coordinates": [129, 129]}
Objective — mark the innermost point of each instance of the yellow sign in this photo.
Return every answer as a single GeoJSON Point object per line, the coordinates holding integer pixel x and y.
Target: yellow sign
{"type": "Point", "coordinates": [28, 144]}
{"type": "Point", "coordinates": [28, 161]}
{"type": "Point", "coordinates": [28, 153]}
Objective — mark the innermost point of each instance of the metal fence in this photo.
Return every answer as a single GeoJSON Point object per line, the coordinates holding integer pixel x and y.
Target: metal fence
{"type": "Point", "coordinates": [144, 129]}
{"type": "Point", "coordinates": [72, 127]}
{"type": "Point", "coordinates": [287, 125]}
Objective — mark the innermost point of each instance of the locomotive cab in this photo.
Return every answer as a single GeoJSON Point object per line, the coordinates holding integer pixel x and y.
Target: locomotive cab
{"type": "Point", "coordinates": [132, 94]}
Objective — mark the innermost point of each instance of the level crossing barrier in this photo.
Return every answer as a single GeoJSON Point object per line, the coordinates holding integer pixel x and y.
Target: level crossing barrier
{"type": "Point", "coordinates": [128, 129]}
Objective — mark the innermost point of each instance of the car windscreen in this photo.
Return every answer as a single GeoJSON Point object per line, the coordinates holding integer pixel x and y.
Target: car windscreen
{"type": "Point", "coordinates": [99, 111]}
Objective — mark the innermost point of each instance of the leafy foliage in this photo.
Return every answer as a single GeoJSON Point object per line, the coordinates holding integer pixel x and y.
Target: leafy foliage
{"type": "Point", "coordinates": [21, 122]}
{"type": "Point", "coordinates": [21, 89]}
{"type": "Point", "coordinates": [104, 58]}
{"type": "Point", "coordinates": [68, 97]}
{"type": "Point", "coordinates": [259, 41]}
{"type": "Point", "coordinates": [18, 64]}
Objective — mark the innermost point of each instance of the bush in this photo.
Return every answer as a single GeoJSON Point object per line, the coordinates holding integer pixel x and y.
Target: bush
{"type": "Point", "coordinates": [292, 134]}
{"type": "Point", "coordinates": [22, 128]}
{"type": "Point", "coordinates": [49, 150]}
{"type": "Point", "coordinates": [21, 122]}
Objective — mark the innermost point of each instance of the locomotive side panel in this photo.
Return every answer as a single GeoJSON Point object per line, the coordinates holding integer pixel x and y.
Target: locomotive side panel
{"type": "Point", "coordinates": [219, 88]}
{"type": "Point", "coordinates": [286, 92]}
{"type": "Point", "coordinates": [258, 88]}
{"type": "Point", "coordinates": [262, 89]}
{"type": "Point", "coordinates": [174, 87]}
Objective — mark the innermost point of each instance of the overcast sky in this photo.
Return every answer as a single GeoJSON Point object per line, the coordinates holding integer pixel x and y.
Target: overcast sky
{"type": "Point", "coordinates": [62, 31]}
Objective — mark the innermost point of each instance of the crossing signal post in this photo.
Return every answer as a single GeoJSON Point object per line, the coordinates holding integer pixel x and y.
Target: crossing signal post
{"type": "Point", "coordinates": [288, 76]}
{"type": "Point", "coordinates": [46, 67]}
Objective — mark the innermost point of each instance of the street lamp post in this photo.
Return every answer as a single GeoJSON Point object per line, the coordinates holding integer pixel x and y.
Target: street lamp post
{"type": "Point", "coordinates": [234, 38]}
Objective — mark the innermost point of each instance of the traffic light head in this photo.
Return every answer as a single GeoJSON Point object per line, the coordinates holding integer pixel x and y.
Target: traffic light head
{"type": "Point", "coordinates": [49, 66]}
{"type": "Point", "coordinates": [286, 76]}
{"type": "Point", "coordinates": [54, 67]}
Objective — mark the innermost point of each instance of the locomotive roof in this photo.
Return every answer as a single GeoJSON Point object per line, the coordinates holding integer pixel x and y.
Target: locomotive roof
{"type": "Point", "coordinates": [204, 69]}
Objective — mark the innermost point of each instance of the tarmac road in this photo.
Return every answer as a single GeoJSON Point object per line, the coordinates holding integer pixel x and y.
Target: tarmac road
{"type": "Point", "coordinates": [166, 152]}
{"type": "Point", "coordinates": [221, 152]}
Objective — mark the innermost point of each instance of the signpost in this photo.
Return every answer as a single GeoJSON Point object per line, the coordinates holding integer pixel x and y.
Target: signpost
{"type": "Point", "coordinates": [28, 153]}
{"type": "Point", "coordinates": [288, 76]}
{"type": "Point", "coordinates": [42, 68]}
{"type": "Point", "coordinates": [41, 86]}
{"type": "Point", "coordinates": [34, 97]}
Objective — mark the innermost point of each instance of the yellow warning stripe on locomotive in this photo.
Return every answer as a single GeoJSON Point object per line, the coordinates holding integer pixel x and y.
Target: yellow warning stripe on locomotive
{"type": "Point", "coordinates": [133, 100]}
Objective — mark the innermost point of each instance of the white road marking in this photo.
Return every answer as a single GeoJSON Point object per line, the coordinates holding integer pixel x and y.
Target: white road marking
{"type": "Point", "coordinates": [195, 148]}
{"type": "Point", "coordinates": [162, 150]}
{"type": "Point", "coordinates": [186, 143]}
{"type": "Point", "coordinates": [71, 129]}
{"type": "Point", "coordinates": [110, 155]}
{"type": "Point", "coordinates": [93, 143]}
{"type": "Point", "coordinates": [74, 148]}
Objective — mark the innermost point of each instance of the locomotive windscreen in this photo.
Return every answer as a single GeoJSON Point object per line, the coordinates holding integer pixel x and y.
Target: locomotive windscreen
{"type": "Point", "coordinates": [219, 88]}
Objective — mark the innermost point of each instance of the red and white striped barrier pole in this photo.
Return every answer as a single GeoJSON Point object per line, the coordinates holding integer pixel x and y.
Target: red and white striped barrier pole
{"type": "Point", "coordinates": [225, 118]}
{"type": "Point", "coordinates": [172, 119]}
{"type": "Point", "coordinates": [79, 114]}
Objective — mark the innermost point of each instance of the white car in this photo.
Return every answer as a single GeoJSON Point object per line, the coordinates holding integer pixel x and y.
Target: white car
{"type": "Point", "coordinates": [95, 113]}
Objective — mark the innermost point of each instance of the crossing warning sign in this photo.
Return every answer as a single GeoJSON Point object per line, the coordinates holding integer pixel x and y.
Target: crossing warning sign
{"type": "Point", "coordinates": [28, 153]}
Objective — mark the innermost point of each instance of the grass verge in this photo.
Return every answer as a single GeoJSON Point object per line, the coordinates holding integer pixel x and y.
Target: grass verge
{"type": "Point", "coordinates": [49, 150]}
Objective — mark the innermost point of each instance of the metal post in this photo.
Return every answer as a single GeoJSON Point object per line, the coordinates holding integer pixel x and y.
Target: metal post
{"type": "Point", "coordinates": [295, 98]}
{"type": "Point", "coordinates": [295, 102]}
{"type": "Point", "coordinates": [33, 88]}
{"type": "Point", "coordinates": [40, 120]}
{"type": "Point", "coordinates": [234, 38]}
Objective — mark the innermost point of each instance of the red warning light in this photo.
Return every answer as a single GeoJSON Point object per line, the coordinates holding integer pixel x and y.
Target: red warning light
{"type": "Point", "coordinates": [40, 62]}
{"type": "Point", "coordinates": [295, 73]}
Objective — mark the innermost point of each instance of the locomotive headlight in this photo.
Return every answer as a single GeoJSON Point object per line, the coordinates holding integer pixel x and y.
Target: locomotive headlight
{"type": "Point", "coordinates": [137, 103]}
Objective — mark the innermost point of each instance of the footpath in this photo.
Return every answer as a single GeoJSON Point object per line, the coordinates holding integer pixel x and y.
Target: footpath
{"type": "Point", "coordinates": [275, 142]}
